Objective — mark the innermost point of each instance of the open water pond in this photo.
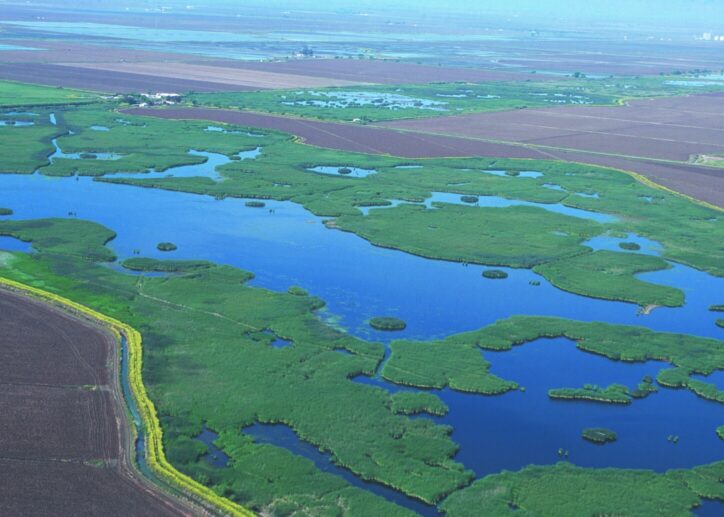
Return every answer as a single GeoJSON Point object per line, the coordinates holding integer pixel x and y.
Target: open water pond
{"type": "Point", "coordinates": [16, 123]}
{"type": "Point", "coordinates": [350, 172]}
{"type": "Point", "coordinates": [512, 174]}
{"type": "Point", "coordinates": [13, 244]}
{"type": "Point", "coordinates": [216, 457]}
{"type": "Point", "coordinates": [219, 129]}
{"type": "Point", "coordinates": [208, 169]}
{"type": "Point", "coordinates": [358, 99]}
{"type": "Point", "coordinates": [519, 428]}
{"type": "Point", "coordinates": [500, 202]}
{"type": "Point", "coordinates": [611, 243]}
{"type": "Point", "coordinates": [358, 280]}
{"type": "Point", "coordinates": [59, 154]}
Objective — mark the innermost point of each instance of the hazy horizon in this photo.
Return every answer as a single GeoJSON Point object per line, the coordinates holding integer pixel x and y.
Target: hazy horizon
{"type": "Point", "coordinates": [698, 14]}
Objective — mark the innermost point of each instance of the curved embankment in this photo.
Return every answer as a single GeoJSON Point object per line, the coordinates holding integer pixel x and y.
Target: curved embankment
{"type": "Point", "coordinates": [704, 185]}
{"type": "Point", "coordinates": [200, 498]}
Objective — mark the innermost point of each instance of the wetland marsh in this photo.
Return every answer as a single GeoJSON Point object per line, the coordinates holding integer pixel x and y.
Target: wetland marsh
{"type": "Point", "coordinates": [286, 342]}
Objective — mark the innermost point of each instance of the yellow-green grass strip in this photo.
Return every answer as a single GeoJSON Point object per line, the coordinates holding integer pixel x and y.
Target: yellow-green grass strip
{"type": "Point", "coordinates": [155, 455]}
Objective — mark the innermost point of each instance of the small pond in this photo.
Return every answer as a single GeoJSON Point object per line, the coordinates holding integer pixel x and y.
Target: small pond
{"type": "Point", "coordinates": [349, 172]}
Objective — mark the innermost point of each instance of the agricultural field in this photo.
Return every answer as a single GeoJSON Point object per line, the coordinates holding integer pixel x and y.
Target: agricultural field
{"type": "Point", "coordinates": [704, 183]}
{"type": "Point", "coordinates": [61, 439]}
{"type": "Point", "coordinates": [16, 94]}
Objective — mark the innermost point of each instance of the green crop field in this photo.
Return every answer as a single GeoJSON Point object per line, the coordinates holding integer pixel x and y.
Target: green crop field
{"type": "Point", "coordinates": [21, 94]}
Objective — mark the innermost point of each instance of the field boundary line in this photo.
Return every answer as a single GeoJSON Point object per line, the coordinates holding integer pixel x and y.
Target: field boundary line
{"type": "Point", "coordinates": [151, 426]}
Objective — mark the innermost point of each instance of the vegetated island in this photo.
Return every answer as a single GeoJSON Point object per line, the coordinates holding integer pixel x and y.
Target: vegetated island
{"type": "Point", "coordinates": [495, 274]}
{"type": "Point", "coordinates": [164, 266]}
{"type": "Point", "coordinates": [630, 246]}
{"type": "Point", "coordinates": [720, 431]}
{"type": "Point", "coordinates": [717, 308]}
{"type": "Point", "coordinates": [255, 204]}
{"type": "Point", "coordinates": [613, 394]}
{"type": "Point", "coordinates": [720, 323]}
{"type": "Point", "coordinates": [469, 199]}
{"type": "Point", "coordinates": [166, 246]}
{"type": "Point", "coordinates": [599, 435]}
{"type": "Point", "coordinates": [387, 323]}
{"type": "Point", "coordinates": [6, 211]}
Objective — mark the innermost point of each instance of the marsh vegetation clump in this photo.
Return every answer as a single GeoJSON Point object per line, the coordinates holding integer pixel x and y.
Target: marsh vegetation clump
{"type": "Point", "coordinates": [495, 274]}
{"type": "Point", "coordinates": [344, 171]}
{"type": "Point", "coordinates": [717, 308]}
{"type": "Point", "coordinates": [629, 246]}
{"type": "Point", "coordinates": [166, 246]}
{"type": "Point", "coordinates": [469, 199]}
{"type": "Point", "coordinates": [599, 435]}
{"type": "Point", "coordinates": [255, 204]}
{"type": "Point", "coordinates": [614, 394]}
{"type": "Point", "coordinates": [297, 291]}
{"type": "Point", "coordinates": [645, 388]}
{"type": "Point", "coordinates": [6, 211]}
{"type": "Point", "coordinates": [87, 156]}
{"type": "Point", "coordinates": [387, 323]}
{"type": "Point", "coordinates": [416, 402]}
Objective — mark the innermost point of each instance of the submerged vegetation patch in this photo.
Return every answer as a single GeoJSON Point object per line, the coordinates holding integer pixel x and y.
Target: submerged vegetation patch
{"type": "Point", "coordinates": [495, 274]}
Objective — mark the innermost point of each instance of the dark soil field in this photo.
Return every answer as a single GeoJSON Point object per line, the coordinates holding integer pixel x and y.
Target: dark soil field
{"type": "Point", "coordinates": [104, 80]}
{"type": "Point", "coordinates": [379, 71]}
{"type": "Point", "coordinates": [64, 438]}
{"type": "Point", "coordinates": [349, 137]}
{"type": "Point", "coordinates": [665, 129]}
{"type": "Point", "coordinates": [62, 51]}
{"type": "Point", "coordinates": [221, 75]}
{"type": "Point", "coordinates": [704, 183]}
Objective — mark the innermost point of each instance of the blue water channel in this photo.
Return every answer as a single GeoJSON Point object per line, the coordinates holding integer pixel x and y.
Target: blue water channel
{"type": "Point", "coordinates": [360, 281]}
